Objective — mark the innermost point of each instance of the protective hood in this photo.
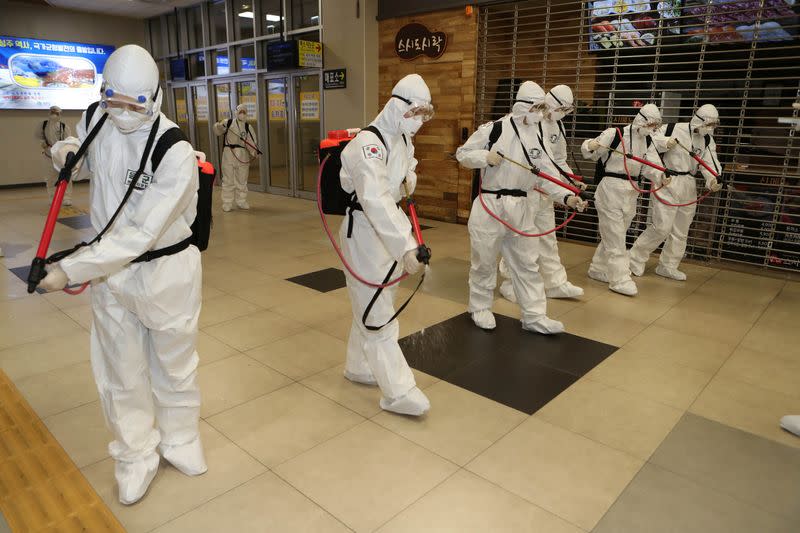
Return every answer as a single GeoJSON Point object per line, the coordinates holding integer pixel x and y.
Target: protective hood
{"type": "Point", "coordinates": [559, 102]}
{"type": "Point", "coordinates": [130, 94]}
{"type": "Point", "coordinates": [409, 93]}
{"type": "Point", "coordinates": [529, 103]}
{"type": "Point", "coordinates": [704, 120]}
{"type": "Point", "coordinates": [241, 109]}
{"type": "Point", "coordinates": [647, 120]}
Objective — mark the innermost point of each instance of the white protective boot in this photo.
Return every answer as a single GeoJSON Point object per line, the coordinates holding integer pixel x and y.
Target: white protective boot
{"type": "Point", "coordinates": [671, 273]}
{"type": "Point", "coordinates": [637, 269]}
{"type": "Point", "coordinates": [545, 326]}
{"type": "Point", "coordinates": [597, 275]}
{"type": "Point", "coordinates": [188, 458]}
{"type": "Point", "coordinates": [414, 403]}
{"type": "Point", "coordinates": [565, 290]}
{"type": "Point", "coordinates": [507, 291]}
{"type": "Point", "coordinates": [791, 423]}
{"type": "Point", "coordinates": [484, 319]}
{"type": "Point", "coordinates": [627, 287]}
{"type": "Point", "coordinates": [133, 479]}
{"type": "Point", "coordinates": [364, 379]}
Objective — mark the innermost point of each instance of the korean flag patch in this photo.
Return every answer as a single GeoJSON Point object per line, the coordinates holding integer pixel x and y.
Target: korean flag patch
{"type": "Point", "coordinates": [373, 151]}
{"type": "Point", "coordinates": [553, 138]}
{"type": "Point", "coordinates": [534, 153]}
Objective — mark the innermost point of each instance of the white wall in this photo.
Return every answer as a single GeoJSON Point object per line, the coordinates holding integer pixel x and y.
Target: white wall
{"type": "Point", "coordinates": [351, 43]}
{"type": "Point", "coordinates": [22, 160]}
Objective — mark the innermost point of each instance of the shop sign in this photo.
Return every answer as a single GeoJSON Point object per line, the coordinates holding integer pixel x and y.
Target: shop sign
{"type": "Point", "coordinates": [334, 79]}
{"type": "Point", "coordinates": [414, 40]}
{"type": "Point", "coordinates": [309, 106]}
{"type": "Point", "coordinates": [309, 54]}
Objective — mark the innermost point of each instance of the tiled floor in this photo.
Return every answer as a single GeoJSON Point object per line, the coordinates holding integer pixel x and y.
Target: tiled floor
{"type": "Point", "coordinates": [655, 413]}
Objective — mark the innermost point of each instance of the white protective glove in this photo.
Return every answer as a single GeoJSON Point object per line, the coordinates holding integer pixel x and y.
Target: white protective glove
{"type": "Point", "coordinates": [59, 153]}
{"type": "Point", "coordinates": [581, 185]}
{"type": "Point", "coordinates": [55, 280]}
{"type": "Point", "coordinates": [672, 142]}
{"type": "Point", "coordinates": [666, 180]}
{"type": "Point", "coordinates": [593, 145]}
{"type": "Point", "coordinates": [493, 159]}
{"type": "Point", "coordinates": [410, 262]}
{"type": "Point", "coordinates": [576, 203]}
{"type": "Point", "coordinates": [714, 185]}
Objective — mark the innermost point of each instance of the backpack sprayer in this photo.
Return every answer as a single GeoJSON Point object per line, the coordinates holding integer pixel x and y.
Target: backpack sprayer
{"type": "Point", "coordinates": [575, 190]}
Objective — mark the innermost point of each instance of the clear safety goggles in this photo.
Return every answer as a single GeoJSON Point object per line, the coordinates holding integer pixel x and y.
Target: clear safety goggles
{"type": "Point", "coordinates": [708, 123]}
{"type": "Point", "coordinates": [423, 112]}
{"type": "Point", "coordinates": [565, 109]}
{"type": "Point", "coordinates": [143, 103]}
{"type": "Point", "coordinates": [539, 107]}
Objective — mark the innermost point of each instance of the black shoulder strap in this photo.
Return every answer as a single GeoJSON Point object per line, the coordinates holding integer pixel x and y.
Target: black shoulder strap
{"type": "Point", "coordinates": [164, 143]}
{"type": "Point", "coordinates": [377, 133]}
{"type": "Point", "coordinates": [497, 131]}
{"type": "Point", "coordinates": [670, 129]}
{"type": "Point", "coordinates": [44, 127]}
{"type": "Point", "coordinates": [227, 127]}
{"type": "Point", "coordinates": [561, 127]}
{"type": "Point", "coordinates": [613, 146]}
{"type": "Point", "coordinates": [247, 128]}
{"type": "Point", "coordinates": [405, 141]}
{"type": "Point", "coordinates": [90, 113]}
{"type": "Point", "coordinates": [707, 139]}
{"type": "Point", "coordinates": [524, 149]}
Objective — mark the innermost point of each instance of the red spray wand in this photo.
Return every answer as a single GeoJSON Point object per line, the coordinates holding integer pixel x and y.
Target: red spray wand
{"type": "Point", "coordinates": [699, 160]}
{"type": "Point", "coordinates": [423, 252]}
{"type": "Point", "coordinates": [38, 271]}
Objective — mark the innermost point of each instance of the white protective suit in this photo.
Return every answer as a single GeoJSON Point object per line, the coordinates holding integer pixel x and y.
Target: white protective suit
{"type": "Point", "coordinates": [238, 150]}
{"type": "Point", "coordinates": [551, 137]}
{"type": "Point", "coordinates": [488, 237]}
{"type": "Point", "coordinates": [671, 224]}
{"type": "Point", "coordinates": [380, 236]}
{"type": "Point", "coordinates": [50, 132]}
{"type": "Point", "coordinates": [145, 314]}
{"type": "Point", "coordinates": [615, 198]}
{"type": "Point", "coordinates": [791, 423]}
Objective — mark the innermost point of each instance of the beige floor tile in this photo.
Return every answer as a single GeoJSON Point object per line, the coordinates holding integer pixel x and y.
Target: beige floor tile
{"type": "Point", "coordinates": [636, 309]}
{"type": "Point", "coordinates": [209, 293]}
{"type": "Point", "coordinates": [366, 475]}
{"type": "Point", "coordinates": [275, 292]}
{"type": "Point", "coordinates": [313, 310]}
{"type": "Point", "coordinates": [575, 478]}
{"type": "Point", "coordinates": [303, 354]}
{"type": "Point", "coordinates": [338, 328]}
{"type": "Point", "coordinates": [47, 325]}
{"type": "Point", "coordinates": [468, 503]}
{"type": "Point", "coordinates": [81, 314]}
{"type": "Point", "coordinates": [700, 353]}
{"type": "Point", "coordinates": [459, 426]}
{"type": "Point", "coordinates": [502, 306]}
{"type": "Point", "coordinates": [225, 308]}
{"type": "Point", "coordinates": [748, 408]}
{"type": "Point", "coordinates": [625, 421]}
{"type": "Point", "coordinates": [46, 354]}
{"type": "Point", "coordinates": [172, 494]}
{"type": "Point", "coordinates": [720, 328]}
{"type": "Point", "coordinates": [28, 307]}
{"type": "Point", "coordinates": [764, 370]}
{"type": "Point", "coordinates": [721, 306]}
{"type": "Point", "coordinates": [82, 433]}
{"type": "Point", "coordinates": [286, 267]}
{"type": "Point", "coordinates": [771, 338]}
{"type": "Point", "coordinates": [782, 311]}
{"type": "Point", "coordinates": [233, 381]}
{"type": "Point", "coordinates": [266, 503]}
{"type": "Point", "coordinates": [210, 349]}
{"type": "Point", "coordinates": [62, 300]}
{"type": "Point", "coordinates": [332, 384]}
{"type": "Point", "coordinates": [606, 328]}
{"type": "Point", "coordinates": [59, 390]}
{"type": "Point", "coordinates": [257, 329]}
{"type": "Point", "coordinates": [661, 381]}
{"type": "Point", "coordinates": [744, 291]}
{"type": "Point", "coordinates": [427, 310]}
{"type": "Point", "coordinates": [283, 424]}
{"type": "Point", "coordinates": [652, 287]}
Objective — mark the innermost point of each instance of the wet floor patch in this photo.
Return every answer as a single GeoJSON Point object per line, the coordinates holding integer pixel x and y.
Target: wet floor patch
{"type": "Point", "coordinates": [325, 280]}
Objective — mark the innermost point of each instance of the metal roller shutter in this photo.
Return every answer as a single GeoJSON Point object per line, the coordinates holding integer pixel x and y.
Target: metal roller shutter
{"type": "Point", "coordinates": [740, 55]}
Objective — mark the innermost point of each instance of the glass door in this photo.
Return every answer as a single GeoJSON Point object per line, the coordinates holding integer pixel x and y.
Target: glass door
{"type": "Point", "coordinates": [224, 106]}
{"type": "Point", "coordinates": [202, 141]}
{"type": "Point", "coordinates": [246, 93]}
{"type": "Point", "coordinates": [276, 91]}
{"type": "Point", "coordinates": [182, 110]}
{"type": "Point", "coordinates": [307, 108]}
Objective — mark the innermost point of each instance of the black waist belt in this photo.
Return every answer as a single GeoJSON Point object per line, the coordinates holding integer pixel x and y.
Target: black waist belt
{"type": "Point", "coordinates": [616, 175]}
{"type": "Point", "coordinates": [354, 206]}
{"type": "Point", "coordinates": [234, 146]}
{"type": "Point", "coordinates": [506, 192]}
{"type": "Point", "coordinates": [169, 250]}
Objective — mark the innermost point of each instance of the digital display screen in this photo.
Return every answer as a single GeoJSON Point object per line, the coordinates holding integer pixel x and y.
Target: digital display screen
{"type": "Point", "coordinates": [735, 21]}
{"type": "Point", "coordinates": [38, 74]}
{"type": "Point", "coordinates": [631, 23]}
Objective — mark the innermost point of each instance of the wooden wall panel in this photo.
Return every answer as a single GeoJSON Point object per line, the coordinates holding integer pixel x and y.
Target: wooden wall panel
{"type": "Point", "coordinates": [451, 79]}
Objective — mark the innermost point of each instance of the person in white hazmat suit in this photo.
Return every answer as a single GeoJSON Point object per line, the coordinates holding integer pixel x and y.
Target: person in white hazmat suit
{"type": "Point", "coordinates": [145, 314]}
{"type": "Point", "coordinates": [238, 150]}
{"type": "Point", "coordinates": [559, 102]}
{"type": "Point", "coordinates": [669, 224]}
{"type": "Point", "coordinates": [505, 191]}
{"type": "Point", "coordinates": [377, 236]}
{"type": "Point", "coordinates": [615, 198]}
{"type": "Point", "coordinates": [50, 132]}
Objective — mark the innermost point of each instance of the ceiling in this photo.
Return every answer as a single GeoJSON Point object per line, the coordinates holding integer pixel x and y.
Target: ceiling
{"type": "Point", "coordinates": [141, 9]}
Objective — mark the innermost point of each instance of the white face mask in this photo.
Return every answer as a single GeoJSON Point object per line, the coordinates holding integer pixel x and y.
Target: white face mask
{"type": "Point", "coordinates": [125, 120]}
{"type": "Point", "coordinates": [242, 116]}
{"type": "Point", "coordinates": [54, 117]}
{"type": "Point", "coordinates": [705, 130]}
{"type": "Point", "coordinates": [533, 117]}
{"type": "Point", "coordinates": [410, 126]}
